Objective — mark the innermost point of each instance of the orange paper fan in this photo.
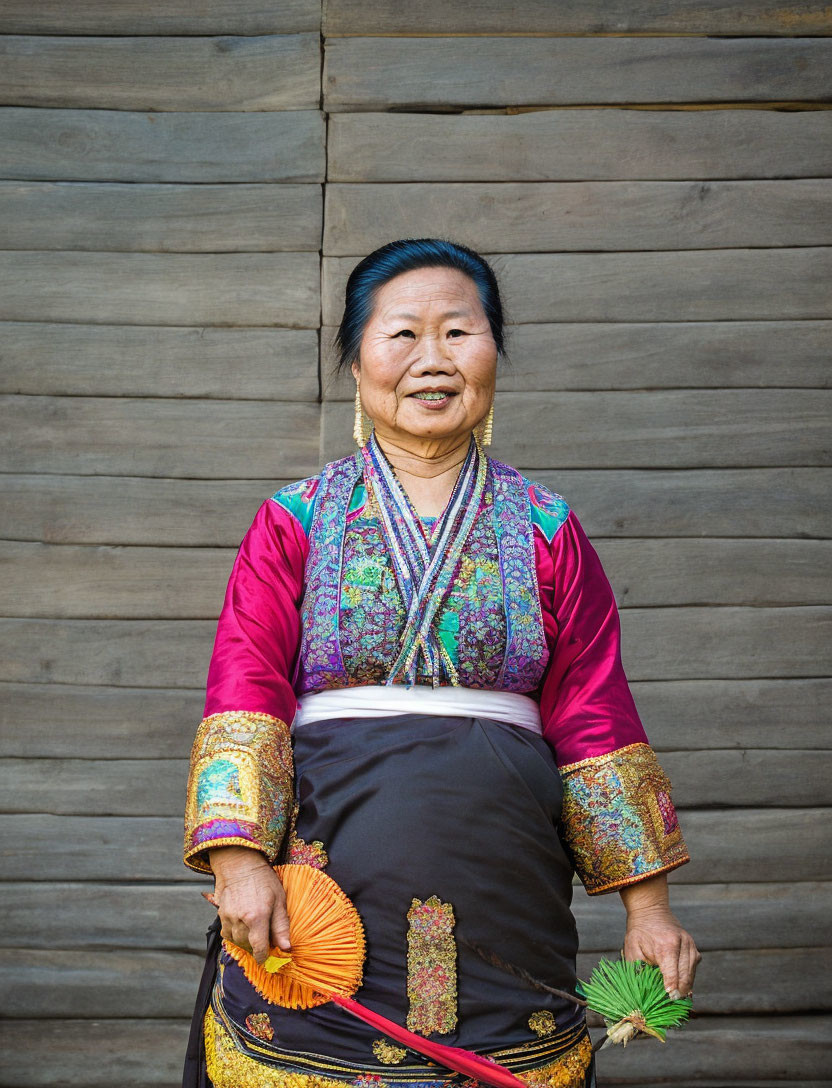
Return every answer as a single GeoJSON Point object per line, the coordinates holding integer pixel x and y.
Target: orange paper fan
{"type": "Point", "coordinates": [328, 945]}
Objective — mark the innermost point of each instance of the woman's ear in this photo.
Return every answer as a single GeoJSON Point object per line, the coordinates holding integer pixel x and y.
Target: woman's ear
{"type": "Point", "coordinates": [355, 368]}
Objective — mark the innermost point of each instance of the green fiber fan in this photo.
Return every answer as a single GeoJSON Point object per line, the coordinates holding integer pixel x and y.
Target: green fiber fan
{"type": "Point", "coordinates": [631, 997]}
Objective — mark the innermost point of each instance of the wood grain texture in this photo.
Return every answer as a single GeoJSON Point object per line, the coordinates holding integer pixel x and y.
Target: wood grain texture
{"type": "Point", "coordinates": [149, 437]}
{"type": "Point", "coordinates": [699, 285]}
{"type": "Point", "coordinates": [174, 916]}
{"type": "Point", "coordinates": [143, 361]}
{"type": "Point", "coordinates": [469, 72]}
{"type": "Point", "coordinates": [718, 1052]}
{"type": "Point", "coordinates": [595, 17]}
{"type": "Point", "coordinates": [106, 216]}
{"type": "Point", "coordinates": [693, 643]}
{"type": "Point", "coordinates": [638, 355]}
{"type": "Point", "coordinates": [739, 845]}
{"type": "Point", "coordinates": [610, 502]}
{"type": "Point", "coordinates": [161, 289]}
{"type": "Point", "coordinates": [509, 217]}
{"type": "Point", "coordinates": [705, 428]}
{"type": "Point", "coordinates": [267, 72]}
{"type": "Point", "coordinates": [117, 145]}
{"type": "Point", "coordinates": [579, 145]}
{"type": "Point", "coordinates": [745, 778]}
{"type": "Point", "coordinates": [79, 722]}
{"type": "Point", "coordinates": [71, 581]}
{"type": "Point", "coordinates": [142, 983]}
{"type": "Point", "coordinates": [159, 17]}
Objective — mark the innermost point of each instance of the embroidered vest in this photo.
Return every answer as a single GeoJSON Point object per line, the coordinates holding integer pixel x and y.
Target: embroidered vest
{"type": "Point", "coordinates": [352, 613]}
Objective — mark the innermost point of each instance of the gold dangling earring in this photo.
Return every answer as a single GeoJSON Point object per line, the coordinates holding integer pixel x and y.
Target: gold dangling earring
{"type": "Point", "coordinates": [482, 434]}
{"type": "Point", "coordinates": [358, 425]}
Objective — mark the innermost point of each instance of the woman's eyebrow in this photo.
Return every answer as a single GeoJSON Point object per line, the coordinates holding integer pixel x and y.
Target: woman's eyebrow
{"type": "Point", "coordinates": [447, 313]}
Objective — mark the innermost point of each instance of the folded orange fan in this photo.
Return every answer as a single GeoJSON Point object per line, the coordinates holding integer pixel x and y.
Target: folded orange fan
{"type": "Point", "coordinates": [326, 964]}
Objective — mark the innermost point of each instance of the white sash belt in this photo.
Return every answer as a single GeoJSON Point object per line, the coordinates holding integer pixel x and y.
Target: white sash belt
{"type": "Point", "coordinates": [379, 700]}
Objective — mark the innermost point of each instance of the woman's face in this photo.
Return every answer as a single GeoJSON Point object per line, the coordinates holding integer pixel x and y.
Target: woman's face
{"type": "Point", "coordinates": [428, 360]}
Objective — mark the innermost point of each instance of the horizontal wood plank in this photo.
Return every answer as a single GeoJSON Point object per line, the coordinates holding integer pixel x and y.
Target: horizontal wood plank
{"type": "Point", "coordinates": [159, 17]}
{"type": "Point", "coordinates": [515, 217]}
{"type": "Point", "coordinates": [610, 502]}
{"type": "Point", "coordinates": [578, 145]}
{"type": "Point", "coordinates": [75, 721]}
{"type": "Point", "coordinates": [143, 361]}
{"type": "Point", "coordinates": [95, 984]}
{"type": "Point", "coordinates": [117, 145]}
{"type": "Point", "coordinates": [266, 72]}
{"type": "Point", "coordinates": [696, 285]}
{"type": "Point", "coordinates": [161, 289]}
{"type": "Point", "coordinates": [694, 643]}
{"type": "Point", "coordinates": [711, 1052]}
{"type": "Point", "coordinates": [149, 437]}
{"type": "Point", "coordinates": [469, 72]}
{"type": "Point", "coordinates": [174, 916]}
{"type": "Point", "coordinates": [638, 355]}
{"type": "Point", "coordinates": [120, 218]}
{"type": "Point", "coordinates": [705, 428]}
{"type": "Point", "coordinates": [72, 581]}
{"type": "Point", "coordinates": [595, 17]}
{"type": "Point", "coordinates": [740, 845]}
{"type": "Point", "coordinates": [156, 787]}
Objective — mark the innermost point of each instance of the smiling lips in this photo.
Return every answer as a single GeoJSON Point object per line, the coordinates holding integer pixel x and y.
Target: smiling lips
{"type": "Point", "coordinates": [433, 396]}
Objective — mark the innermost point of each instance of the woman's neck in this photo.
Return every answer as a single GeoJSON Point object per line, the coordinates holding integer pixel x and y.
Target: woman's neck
{"type": "Point", "coordinates": [427, 476]}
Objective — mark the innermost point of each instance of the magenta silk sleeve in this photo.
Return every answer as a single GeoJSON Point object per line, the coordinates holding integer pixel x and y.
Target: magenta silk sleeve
{"type": "Point", "coordinates": [618, 820]}
{"type": "Point", "coordinates": [240, 786]}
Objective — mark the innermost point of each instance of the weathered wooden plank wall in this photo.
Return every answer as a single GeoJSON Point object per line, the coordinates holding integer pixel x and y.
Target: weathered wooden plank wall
{"type": "Point", "coordinates": [183, 190]}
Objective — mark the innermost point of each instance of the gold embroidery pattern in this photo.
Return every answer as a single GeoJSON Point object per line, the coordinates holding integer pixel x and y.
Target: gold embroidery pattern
{"type": "Point", "coordinates": [431, 966]}
{"type": "Point", "coordinates": [618, 819]}
{"type": "Point", "coordinates": [229, 1067]}
{"type": "Point", "coordinates": [542, 1022]}
{"type": "Point", "coordinates": [239, 786]}
{"type": "Point", "coordinates": [260, 1026]}
{"type": "Point", "coordinates": [301, 852]}
{"type": "Point", "coordinates": [387, 1053]}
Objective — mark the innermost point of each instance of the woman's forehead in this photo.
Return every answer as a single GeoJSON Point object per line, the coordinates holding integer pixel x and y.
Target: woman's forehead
{"type": "Point", "coordinates": [425, 288]}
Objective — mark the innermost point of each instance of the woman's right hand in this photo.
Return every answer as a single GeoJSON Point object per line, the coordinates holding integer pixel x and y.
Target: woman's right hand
{"type": "Point", "coordinates": [250, 900]}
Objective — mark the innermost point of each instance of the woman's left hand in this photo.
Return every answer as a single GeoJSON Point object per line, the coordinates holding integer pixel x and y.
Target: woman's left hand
{"type": "Point", "coordinates": [655, 936]}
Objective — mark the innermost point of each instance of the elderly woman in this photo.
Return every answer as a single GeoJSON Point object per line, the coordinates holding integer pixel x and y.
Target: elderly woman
{"type": "Point", "coordinates": [417, 684]}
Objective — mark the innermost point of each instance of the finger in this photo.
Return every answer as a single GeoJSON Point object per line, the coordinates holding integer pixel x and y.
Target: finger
{"type": "Point", "coordinates": [279, 929]}
{"type": "Point", "coordinates": [240, 935]}
{"type": "Point", "coordinates": [687, 967]}
{"type": "Point", "coordinates": [668, 961]}
{"type": "Point", "coordinates": [258, 936]}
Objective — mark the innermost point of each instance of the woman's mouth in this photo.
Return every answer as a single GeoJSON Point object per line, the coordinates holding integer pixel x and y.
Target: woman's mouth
{"type": "Point", "coordinates": [433, 398]}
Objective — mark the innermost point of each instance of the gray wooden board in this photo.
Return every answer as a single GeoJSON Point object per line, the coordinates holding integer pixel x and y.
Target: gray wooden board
{"type": "Point", "coordinates": [737, 845]}
{"type": "Point", "coordinates": [578, 145]}
{"type": "Point", "coordinates": [595, 17]}
{"type": "Point", "coordinates": [710, 1052]}
{"type": "Point", "coordinates": [137, 217]}
{"type": "Point", "coordinates": [156, 787]}
{"type": "Point", "coordinates": [703, 428]}
{"type": "Point", "coordinates": [639, 355]}
{"type": "Point", "coordinates": [267, 72]}
{"type": "Point", "coordinates": [161, 288]}
{"type": "Point", "coordinates": [378, 72]}
{"type": "Point", "coordinates": [77, 721]}
{"type": "Point", "coordinates": [761, 502]}
{"type": "Point", "coordinates": [81, 581]}
{"type": "Point", "coordinates": [147, 361]}
{"type": "Point", "coordinates": [116, 145]}
{"type": "Point", "coordinates": [691, 643]}
{"type": "Point", "coordinates": [151, 437]}
{"type": "Point", "coordinates": [159, 17]}
{"type": "Point", "coordinates": [174, 916]}
{"type": "Point", "coordinates": [694, 285]}
{"type": "Point", "coordinates": [514, 217]}
{"type": "Point", "coordinates": [96, 983]}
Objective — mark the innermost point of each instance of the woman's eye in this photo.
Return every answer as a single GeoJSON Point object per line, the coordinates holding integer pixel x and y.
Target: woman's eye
{"type": "Point", "coordinates": [454, 332]}
{"type": "Point", "coordinates": [404, 332]}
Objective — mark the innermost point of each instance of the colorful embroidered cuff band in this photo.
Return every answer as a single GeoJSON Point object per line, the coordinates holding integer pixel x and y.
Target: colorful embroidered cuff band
{"type": "Point", "coordinates": [618, 820]}
{"type": "Point", "coordinates": [240, 788]}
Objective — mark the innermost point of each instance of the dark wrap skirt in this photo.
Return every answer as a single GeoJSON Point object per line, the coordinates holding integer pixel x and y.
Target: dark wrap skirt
{"type": "Point", "coordinates": [409, 807]}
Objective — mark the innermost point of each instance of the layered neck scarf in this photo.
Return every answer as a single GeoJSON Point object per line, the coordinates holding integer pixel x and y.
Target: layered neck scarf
{"type": "Point", "coordinates": [424, 563]}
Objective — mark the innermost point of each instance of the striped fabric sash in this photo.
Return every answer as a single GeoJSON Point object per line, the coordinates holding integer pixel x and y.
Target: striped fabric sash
{"type": "Point", "coordinates": [424, 565]}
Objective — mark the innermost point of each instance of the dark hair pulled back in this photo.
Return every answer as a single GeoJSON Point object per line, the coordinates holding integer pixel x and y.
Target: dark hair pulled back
{"type": "Point", "coordinates": [405, 255]}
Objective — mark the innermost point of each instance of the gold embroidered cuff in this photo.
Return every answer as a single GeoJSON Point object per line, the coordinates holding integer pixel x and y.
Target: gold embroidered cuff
{"type": "Point", "coordinates": [618, 820]}
{"type": "Point", "coordinates": [240, 787]}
